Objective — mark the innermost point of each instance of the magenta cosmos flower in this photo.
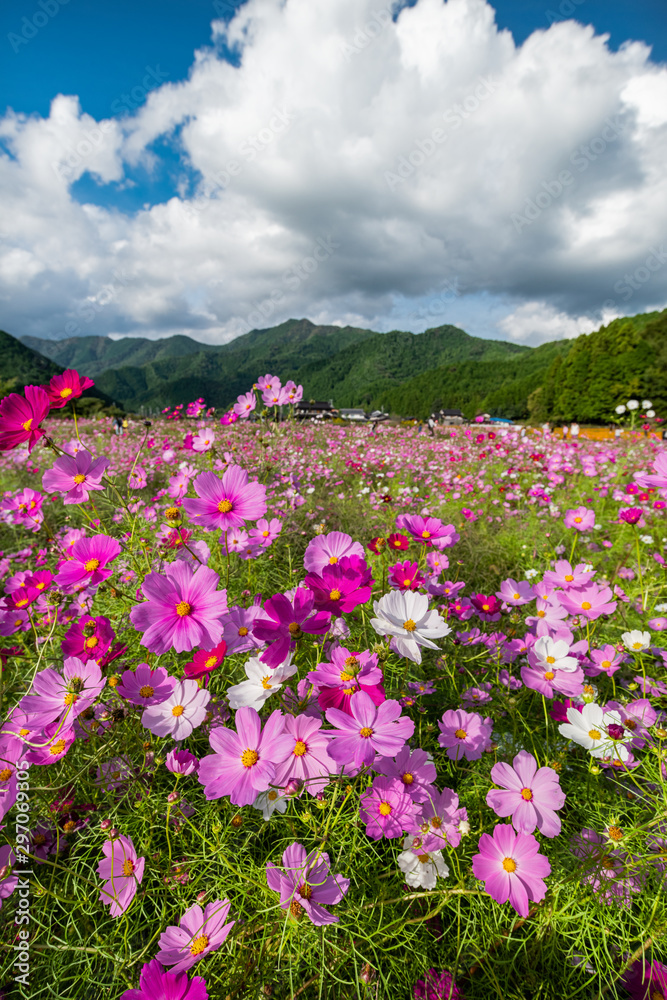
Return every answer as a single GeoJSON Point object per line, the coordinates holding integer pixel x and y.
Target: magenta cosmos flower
{"type": "Point", "coordinates": [245, 761]}
{"type": "Point", "coordinates": [368, 730]}
{"type": "Point", "coordinates": [75, 476]}
{"type": "Point", "coordinates": [67, 386]}
{"type": "Point", "coordinates": [309, 762]}
{"type": "Point", "coordinates": [157, 984]}
{"type": "Point", "coordinates": [49, 745]}
{"type": "Point", "coordinates": [122, 871]}
{"type": "Point", "coordinates": [144, 686]}
{"type": "Point", "coordinates": [346, 674]}
{"type": "Point", "coordinates": [464, 734]}
{"type": "Point", "coordinates": [580, 518]}
{"type": "Point", "coordinates": [88, 638]}
{"type": "Point", "coordinates": [287, 622]}
{"type": "Point", "coordinates": [327, 550]}
{"type": "Point", "coordinates": [306, 883]}
{"type": "Point", "coordinates": [341, 587]}
{"type": "Point", "coordinates": [181, 762]}
{"type": "Point", "coordinates": [436, 986]}
{"type": "Point", "coordinates": [182, 712]}
{"type": "Point", "coordinates": [198, 933]}
{"type": "Point", "coordinates": [530, 796]}
{"type": "Point", "coordinates": [21, 416]}
{"type": "Point", "coordinates": [183, 609]}
{"type": "Point", "coordinates": [226, 502]}
{"type": "Point", "coordinates": [405, 576]}
{"type": "Point", "coordinates": [511, 867]}
{"type": "Point", "coordinates": [387, 809]}
{"type": "Point", "coordinates": [205, 661]}
{"type": "Point", "coordinates": [88, 562]}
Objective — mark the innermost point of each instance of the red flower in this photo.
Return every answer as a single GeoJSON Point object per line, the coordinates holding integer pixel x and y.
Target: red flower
{"type": "Point", "coordinates": [20, 417]}
{"type": "Point", "coordinates": [204, 662]}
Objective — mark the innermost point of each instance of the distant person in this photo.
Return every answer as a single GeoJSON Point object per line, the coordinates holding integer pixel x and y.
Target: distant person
{"type": "Point", "coordinates": [565, 430]}
{"type": "Point", "coordinates": [546, 428]}
{"type": "Point", "coordinates": [431, 425]}
{"type": "Point", "coordinates": [117, 425]}
{"type": "Point", "coordinates": [574, 430]}
{"type": "Point", "coordinates": [125, 425]}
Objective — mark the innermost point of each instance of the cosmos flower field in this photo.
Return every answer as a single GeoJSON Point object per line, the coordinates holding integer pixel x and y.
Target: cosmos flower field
{"type": "Point", "coordinates": [304, 711]}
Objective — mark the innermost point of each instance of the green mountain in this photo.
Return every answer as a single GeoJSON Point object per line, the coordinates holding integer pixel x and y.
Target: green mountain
{"type": "Point", "coordinates": [20, 366]}
{"type": "Point", "coordinates": [93, 355]}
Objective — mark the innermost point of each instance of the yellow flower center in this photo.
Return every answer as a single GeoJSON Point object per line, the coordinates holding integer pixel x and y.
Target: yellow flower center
{"type": "Point", "coordinates": [595, 734]}
{"type": "Point", "coordinates": [551, 659]}
{"type": "Point", "coordinates": [79, 479]}
{"type": "Point", "coordinates": [606, 664]}
{"type": "Point", "coordinates": [295, 630]}
{"type": "Point", "coordinates": [334, 595]}
{"type": "Point", "coordinates": [366, 732]}
{"type": "Point", "coordinates": [183, 609]}
{"type": "Point", "coordinates": [6, 774]}
{"type": "Point", "coordinates": [266, 683]}
{"type": "Point", "coordinates": [586, 606]}
{"type": "Point", "coordinates": [112, 681]}
{"type": "Point", "coordinates": [299, 748]}
{"type": "Point", "coordinates": [69, 826]}
{"type": "Point", "coordinates": [346, 677]}
{"type": "Point", "coordinates": [578, 520]}
{"type": "Point", "coordinates": [615, 833]}
{"type": "Point", "coordinates": [509, 864]}
{"type": "Point", "coordinates": [265, 534]}
{"type": "Point", "coordinates": [91, 565]}
{"type": "Point", "coordinates": [210, 662]}
{"type": "Point", "coordinates": [569, 578]}
{"type": "Point", "coordinates": [28, 424]}
{"type": "Point", "coordinates": [128, 867]}
{"type": "Point", "coordinates": [408, 778]}
{"type": "Point", "coordinates": [249, 757]}
{"type": "Point", "coordinates": [243, 631]}
{"type": "Point", "coordinates": [409, 625]}
{"type": "Point", "coordinates": [199, 945]}
{"type": "Point", "coordinates": [460, 734]}
{"type": "Point", "coordinates": [426, 534]}
{"type": "Point", "coordinates": [225, 506]}
{"type": "Point", "coordinates": [526, 794]}
{"type": "Point", "coordinates": [637, 645]}
{"type": "Point", "coordinates": [384, 809]}
{"type": "Point", "coordinates": [549, 675]}
{"type": "Point", "coordinates": [64, 393]}
{"type": "Point", "coordinates": [272, 796]}
{"type": "Point", "coordinates": [177, 710]}
{"type": "Point", "coordinates": [92, 642]}
{"type": "Point", "coordinates": [70, 698]}
{"type": "Point", "coordinates": [57, 748]}
{"type": "Point", "coordinates": [333, 560]}
{"type": "Point", "coordinates": [517, 596]}
{"type": "Point", "coordinates": [541, 614]}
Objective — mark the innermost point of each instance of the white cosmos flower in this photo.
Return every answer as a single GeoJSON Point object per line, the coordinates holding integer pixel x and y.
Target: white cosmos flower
{"type": "Point", "coordinates": [590, 729]}
{"type": "Point", "coordinates": [405, 616]}
{"type": "Point", "coordinates": [650, 413]}
{"type": "Point", "coordinates": [261, 684]}
{"type": "Point", "coordinates": [636, 641]}
{"type": "Point", "coordinates": [633, 404]}
{"type": "Point", "coordinates": [552, 654]}
{"type": "Point", "coordinates": [620, 409]}
{"type": "Point", "coordinates": [421, 868]}
{"type": "Point", "coordinates": [268, 802]}
{"type": "Point", "coordinates": [647, 404]}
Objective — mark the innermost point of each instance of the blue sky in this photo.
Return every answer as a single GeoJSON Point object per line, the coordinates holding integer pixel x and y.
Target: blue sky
{"type": "Point", "coordinates": [132, 66]}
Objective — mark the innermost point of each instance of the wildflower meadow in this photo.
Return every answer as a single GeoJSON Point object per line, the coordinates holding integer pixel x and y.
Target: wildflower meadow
{"type": "Point", "coordinates": [307, 710]}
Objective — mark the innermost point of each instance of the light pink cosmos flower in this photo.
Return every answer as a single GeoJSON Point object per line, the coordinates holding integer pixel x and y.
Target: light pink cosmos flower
{"type": "Point", "coordinates": [591, 601]}
{"type": "Point", "coordinates": [181, 762]}
{"type": "Point", "coordinates": [182, 712]}
{"type": "Point", "coordinates": [226, 502]}
{"type": "Point", "coordinates": [368, 730]}
{"type": "Point", "coordinates": [309, 763]}
{"type": "Point", "coordinates": [327, 550]}
{"type": "Point", "coordinates": [566, 576]}
{"type": "Point", "coordinates": [265, 532]}
{"type": "Point", "coordinates": [515, 594]}
{"type": "Point", "coordinates": [511, 867]}
{"type": "Point", "coordinates": [49, 745]}
{"type": "Point", "coordinates": [87, 565]}
{"type": "Point", "coordinates": [63, 695]}
{"type": "Point", "coordinates": [183, 609]}
{"type": "Point", "coordinates": [198, 933]}
{"type": "Point", "coordinates": [464, 734]}
{"type": "Point", "coordinates": [580, 518]}
{"type": "Point", "coordinates": [413, 768]}
{"type": "Point", "coordinates": [75, 477]}
{"type": "Point", "coordinates": [441, 820]}
{"type": "Point", "coordinates": [245, 404]}
{"type": "Point", "coordinates": [244, 762]}
{"type": "Point", "coordinates": [530, 796]}
{"type": "Point", "coordinates": [606, 660]}
{"type": "Point", "coordinates": [122, 871]}
{"type": "Point", "coordinates": [306, 884]}
{"type": "Point", "coordinates": [387, 809]}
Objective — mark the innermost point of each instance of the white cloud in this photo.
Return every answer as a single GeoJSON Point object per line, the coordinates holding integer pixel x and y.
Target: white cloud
{"type": "Point", "coordinates": [429, 149]}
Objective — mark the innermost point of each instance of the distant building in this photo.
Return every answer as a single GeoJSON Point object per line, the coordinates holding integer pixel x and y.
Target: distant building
{"type": "Point", "coordinates": [353, 414]}
{"type": "Point", "coordinates": [310, 409]}
{"type": "Point", "coordinates": [451, 416]}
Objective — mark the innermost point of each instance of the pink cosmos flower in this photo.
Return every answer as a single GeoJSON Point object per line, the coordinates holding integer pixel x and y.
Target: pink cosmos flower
{"type": "Point", "coordinates": [181, 762]}
{"type": "Point", "coordinates": [387, 809]}
{"type": "Point", "coordinates": [646, 980]}
{"type": "Point", "coordinates": [237, 625]}
{"type": "Point", "coordinates": [440, 820]}
{"type": "Point", "coordinates": [515, 594]}
{"type": "Point", "coordinates": [49, 745]}
{"type": "Point", "coordinates": [62, 388]}
{"type": "Point", "coordinates": [293, 393]}
{"type": "Point", "coordinates": [327, 550]}
{"type": "Point", "coordinates": [405, 576]}
{"type": "Point", "coordinates": [244, 762]}
{"type": "Point", "coordinates": [631, 515]}
{"type": "Point", "coordinates": [511, 867]}
{"type": "Point", "coordinates": [580, 518]}
{"type": "Point", "coordinates": [306, 883]}
{"type": "Point", "coordinates": [157, 984]}
{"type": "Point", "coordinates": [436, 986]}
{"type": "Point", "coordinates": [226, 502]}
{"type": "Point", "coordinates": [182, 712]}
{"type": "Point", "coordinates": [549, 680]}
{"type": "Point", "coordinates": [245, 404]}
{"type": "Point", "coordinates": [605, 661]}
{"type": "Point", "coordinates": [183, 609]}
{"type": "Point", "coordinates": [488, 607]}
{"type": "Point", "coordinates": [198, 933]}
{"type": "Point", "coordinates": [89, 638]}
{"type": "Point", "coordinates": [659, 480]}
{"type": "Point", "coordinates": [204, 662]}
{"type": "Point", "coordinates": [21, 416]}
{"type": "Point", "coordinates": [146, 686]}
{"type": "Point", "coordinates": [24, 508]}
{"type": "Point", "coordinates": [75, 477]}
{"type": "Point", "coordinates": [530, 796]}
{"type": "Point", "coordinates": [65, 695]}
{"type": "Point", "coordinates": [122, 871]}
{"type": "Point", "coordinates": [464, 734]}
{"type": "Point", "coordinates": [203, 440]}
{"type": "Point", "coordinates": [565, 576]}
{"type": "Point", "coordinates": [347, 673]}
{"type": "Point", "coordinates": [591, 601]}
{"type": "Point", "coordinates": [428, 530]}
{"type": "Point", "coordinates": [265, 532]}
{"type": "Point", "coordinates": [309, 762]}
{"type": "Point", "coordinates": [87, 564]}
{"type": "Point", "coordinates": [368, 730]}
{"type": "Point", "coordinates": [341, 587]}
{"type": "Point", "coordinates": [413, 768]}
{"type": "Point", "coordinates": [287, 622]}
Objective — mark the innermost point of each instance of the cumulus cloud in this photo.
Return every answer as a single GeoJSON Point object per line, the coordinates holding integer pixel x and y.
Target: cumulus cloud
{"type": "Point", "coordinates": [350, 163]}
